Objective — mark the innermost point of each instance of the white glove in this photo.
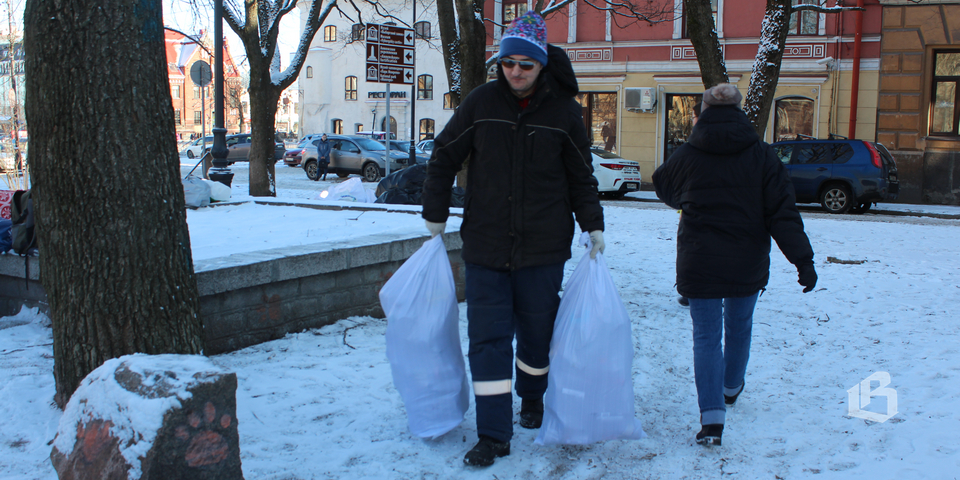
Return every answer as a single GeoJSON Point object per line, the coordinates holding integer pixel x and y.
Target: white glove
{"type": "Point", "coordinates": [435, 228]}
{"type": "Point", "coordinates": [596, 237]}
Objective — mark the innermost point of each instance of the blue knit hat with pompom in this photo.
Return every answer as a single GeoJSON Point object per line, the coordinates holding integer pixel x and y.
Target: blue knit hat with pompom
{"type": "Point", "coordinates": [527, 35]}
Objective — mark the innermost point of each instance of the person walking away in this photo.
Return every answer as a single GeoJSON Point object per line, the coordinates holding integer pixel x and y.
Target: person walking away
{"type": "Point", "coordinates": [693, 122]}
{"type": "Point", "coordinates": [735, 194]}
{"type": "Point", "coordinates": [323, 154]}
{"type": "Point", "coordinates": [609, 137]}
{"type": "Point", "coordinates": [529, 173]}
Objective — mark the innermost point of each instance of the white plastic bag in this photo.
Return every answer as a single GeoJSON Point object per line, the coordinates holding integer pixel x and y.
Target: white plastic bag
{"type": "Point", "coordinates": [218, 191]}
{"type": "Point", "coordinates": [423, 341]}
{"type": "Point", "coordinates": [196, 193]}
{"type": "Point", "coordinates": [350, 190]}
{"type": "Point", "coordinates": [589, 395]}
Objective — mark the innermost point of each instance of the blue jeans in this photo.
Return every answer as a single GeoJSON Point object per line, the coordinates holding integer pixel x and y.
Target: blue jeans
{"type": "Point", "coordinates": [717, 367]}
{"type": "Point", "coordinates": [500, 305]}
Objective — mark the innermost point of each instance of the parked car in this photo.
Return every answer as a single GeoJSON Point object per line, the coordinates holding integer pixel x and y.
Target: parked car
{"type": "Point", "coordinates": [841, 174]}
{"type": "Point", "coordinates": [403, 146]}
{"type": "Point", "coordinates": [616, 176]}
{"type": "Point", "coordinates": [426, 146]}
{"type": "Point", "coordinates": [195, 148]}
{"type": "Point", "coordinates": [238, 147]}
{"type": "Point", "coordinates": [377, 135]}
{"type": "Point", "coordinates": [353, 154]}
{"type": "Point", "coordinates": [292, 157]}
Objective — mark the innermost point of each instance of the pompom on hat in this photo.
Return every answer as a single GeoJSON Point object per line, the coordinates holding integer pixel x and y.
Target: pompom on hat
{"type": "Point", "coordinates": [722, 94]}
{"type": "Point", "coordinates": [526, 35]}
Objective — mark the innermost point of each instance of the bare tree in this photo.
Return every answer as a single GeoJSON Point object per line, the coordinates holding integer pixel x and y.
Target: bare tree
{"type": "Point", "coordinates": [766, 67]}
{"type": "Point", "coordinates": [111, 222]}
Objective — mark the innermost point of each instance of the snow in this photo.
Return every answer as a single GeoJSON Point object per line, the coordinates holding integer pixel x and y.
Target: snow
{"type": "Point", "coordinates": [321, 403]}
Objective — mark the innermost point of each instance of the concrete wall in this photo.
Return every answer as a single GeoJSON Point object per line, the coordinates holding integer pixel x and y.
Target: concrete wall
{"type": "Point", "coordinates": [252, 298]}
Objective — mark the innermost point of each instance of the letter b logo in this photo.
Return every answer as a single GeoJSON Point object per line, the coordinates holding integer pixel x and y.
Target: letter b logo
{"type": "Point", "coordinates": [858, 397]}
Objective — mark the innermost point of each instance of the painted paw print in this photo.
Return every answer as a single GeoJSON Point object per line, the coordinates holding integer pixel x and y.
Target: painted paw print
{"type": "Point", "coordinates": [206, 447]}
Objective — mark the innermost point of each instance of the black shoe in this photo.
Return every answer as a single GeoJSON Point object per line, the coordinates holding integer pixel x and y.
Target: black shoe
{"type": "Point", "coordinates": [531, 413]}
{"type": "Point", "coordinates": [486, 450]}
{"type": "Point", "coordinates": [710, 434]}
{"type": "Point", "coordinates": [731, 399]}
{"type": "Point", "coordinates": [683, 301]}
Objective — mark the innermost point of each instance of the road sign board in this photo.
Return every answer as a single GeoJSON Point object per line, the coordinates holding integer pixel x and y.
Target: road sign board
{"type": "Point", "coordinates": [390, 56]}
{"type": "Point", "coordinates": [200, 73]}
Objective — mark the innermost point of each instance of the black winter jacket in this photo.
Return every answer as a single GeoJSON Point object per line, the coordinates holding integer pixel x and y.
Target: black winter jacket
{"type": "Point", "coordinates": [529, 171]}
{"type": "Point", "coordinates": [735, 194]}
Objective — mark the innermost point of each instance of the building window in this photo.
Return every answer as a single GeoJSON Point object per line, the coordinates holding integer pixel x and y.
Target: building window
{"type": "Point", "coordinates": [714, 7]}
{"type": "Point", "coordinates": [946, 93]}
{"type": "Point", "coordinates": [350, 88]}
{"type": "Point", "coordinates": [176, 91]}
{"type": "Point", "coordinates": [197, 117]}
{"type": "Point", "coordinates": [309, 72]}
{"type": "Point", "coordinates": [176, 116]}
{"type": "Point", "coordinates": [422, 29]}
{"type": "Point", "coordinates": [425, 87]}
{"type": "Point", "coordinates": [794, 116]}
{"type": "Point", "coordinates": [196, 92]}
{"type": "Point", "coordinates": [356, 32]}
{"type": "Point", "coordinates": [337, 126]}
{"type": "Point", "coordinates": [357, 127]}
{"type": "Point", "coordinates": [513, 9]}
{"type": "Point", "coordinates": [389, 127]}
{"type": "Point", "coordinates": [448, 101]}
{"type": "Point", "coordinates": [806, 22]}
{"type": "Point", "coordinates": [426, 128]}
{"type": "Point", "coordinates": [330, 33]}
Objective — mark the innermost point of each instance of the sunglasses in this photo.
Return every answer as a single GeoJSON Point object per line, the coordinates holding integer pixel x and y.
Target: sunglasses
{"type": "Point", "coordinates": [524, 65]}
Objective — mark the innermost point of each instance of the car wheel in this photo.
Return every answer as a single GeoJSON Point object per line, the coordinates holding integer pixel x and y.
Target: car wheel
{"type": "Point", "coordinates": [311, 169]}
{"type": "Point", "coordinates": [836, 198]}
{"type": "Point", "coordinates": [191, 155]}
{"type": "Point", "coordinates": [371, 172]}
{"type": "Point", "coordinates": [614, 195]}
{"type": "Point", "coordinates": [863, 207]}
{"type": "Point", "coordinates": [343, 174]}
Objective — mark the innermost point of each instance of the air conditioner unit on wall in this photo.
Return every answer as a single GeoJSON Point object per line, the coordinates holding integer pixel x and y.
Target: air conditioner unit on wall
{"type": "Point", "coordinates": [642, 99]}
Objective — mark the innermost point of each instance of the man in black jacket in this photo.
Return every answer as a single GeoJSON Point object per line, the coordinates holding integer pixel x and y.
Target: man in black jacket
{"type": "Point", "coordinates": [735, 194]}
{"type": "Point", "coordinates": [530, 170]}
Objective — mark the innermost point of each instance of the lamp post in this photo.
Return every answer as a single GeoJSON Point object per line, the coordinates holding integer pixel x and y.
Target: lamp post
{"type": "Point", "coordinates": [413, 95]}
{"type": "Point", "coordinates": [219, 172]}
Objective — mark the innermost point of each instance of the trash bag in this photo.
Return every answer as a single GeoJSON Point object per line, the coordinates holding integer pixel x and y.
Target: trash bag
{"type": "Point", "coordinates": [6, 236]}
{"type": "Point", "coordinates": [350, 190]}
{"type": "Point", "coordinates": [196, 192]}
{"type": "Point", "coordinates": [589, 394]}
{"type": "Point", "coordinates": [423, 341]}
{"type": "Point", "coordinates": [399, 197]}
{"type": "Point", "coordinates": [218, 191]}
{"type": "Point", "coordinates": [457, 196]}
{"type": "Point", "coordinates": [409, 179]}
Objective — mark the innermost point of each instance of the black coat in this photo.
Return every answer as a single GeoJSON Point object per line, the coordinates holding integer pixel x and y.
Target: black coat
{"type": "Point", "coordinates": [735, 194]}
{"type": "Point", "coordinates": [529, 171]}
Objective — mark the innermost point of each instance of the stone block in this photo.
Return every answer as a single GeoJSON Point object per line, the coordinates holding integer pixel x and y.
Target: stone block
{"type": "Point", "coordinates": [928, 19]}
{"type": "Point", "coordinates": [907, 141]}
{"type": "Point", "coordinates": [901, 40]}
{"type": "Point", "coordinates": [952, 19]}
{"type": "Point", "coordinates": [909, 103]}
{"type": "Point", "coordinates": [349, 278]}
{"type": "Point", "coordinates": [888, 139]}
{"type": "Point", "coordinates": [912, 63]}
{"type": "Point", "coordinates": [888, 102]}
{"type": "Point", "coordinates": [317, 284]}
{"type": "Point", "coordinates": [167, 417]}
{"type": "Point", "coordinates": [892, 17]}
{"type": "Point", "coordinates": [890, 63]}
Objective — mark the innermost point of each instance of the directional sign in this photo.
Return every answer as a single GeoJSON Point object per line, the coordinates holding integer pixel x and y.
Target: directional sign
{"type": "Point", "coordinates": [390, 57]}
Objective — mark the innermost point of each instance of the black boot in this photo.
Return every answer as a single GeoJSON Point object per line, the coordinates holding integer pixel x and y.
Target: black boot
{"type": "Point", "coordinates": [683, 301]}
{"type": "Point", "coordinates": [710, 434]}
{"type": "Point", "coordinates": [486, 450]}
{"type": "Point", "coordinates": [731, 399]}
{"type": "Point", "coordinates": [531, 413]}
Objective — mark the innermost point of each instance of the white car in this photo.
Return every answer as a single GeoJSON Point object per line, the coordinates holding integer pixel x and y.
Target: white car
{"type": "Point", "coordinates": [426, 146]}
{"type": "Point", "coordinates": [616, 176]}
{"type": "Point", "coordinates": [196, 147]}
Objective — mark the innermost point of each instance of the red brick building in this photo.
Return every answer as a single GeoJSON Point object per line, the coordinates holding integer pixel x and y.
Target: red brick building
{"type": "Point", "coordinates": [192, 106]}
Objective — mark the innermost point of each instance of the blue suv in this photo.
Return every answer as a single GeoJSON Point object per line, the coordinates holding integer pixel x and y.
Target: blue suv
{"type": "Point", "coordinates": [842, 175]}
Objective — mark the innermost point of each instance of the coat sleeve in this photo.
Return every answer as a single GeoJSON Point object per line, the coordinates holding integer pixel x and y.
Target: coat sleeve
{"type": "Point", "coordinates": [666, 183]}
{"type": "Point", "coordinates": [450, 149]}
{"type": "Point", "coordinates": [578, 162]}
{"type": "Point", "coordinates": [781, 216]}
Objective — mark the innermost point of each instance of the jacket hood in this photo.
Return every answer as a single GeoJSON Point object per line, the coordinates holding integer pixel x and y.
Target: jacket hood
{"type": "Point", "coordinates": [723, 130]}
{"type": "Point", "coordinates": [559, 70]}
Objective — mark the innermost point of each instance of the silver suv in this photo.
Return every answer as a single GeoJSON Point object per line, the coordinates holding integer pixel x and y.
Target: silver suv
{"type": "Point", "coordinates": [353, 154]}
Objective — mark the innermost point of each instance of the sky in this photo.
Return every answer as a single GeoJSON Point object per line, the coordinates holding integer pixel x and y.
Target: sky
{"type": "Point", "coordinates": [321, 404]}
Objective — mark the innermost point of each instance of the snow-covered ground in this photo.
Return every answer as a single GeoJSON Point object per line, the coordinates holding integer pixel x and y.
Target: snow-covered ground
{"type": "Point", "coordinates": [320, 404]}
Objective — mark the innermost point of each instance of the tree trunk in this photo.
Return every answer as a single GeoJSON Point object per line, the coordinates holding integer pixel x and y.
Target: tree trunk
{"type": "Point", "coordinates": [703, 36]}
{"type": "Point", "coordinates": [766, 68]}
{"type": "Point", "coordinates": [115, 249]}
{"type": "Point", "coordinates": [263, 107]}
{"type": "Point", "coordinates": [472, 45]}
{"type": "Point", "coordinates": [447, 20]}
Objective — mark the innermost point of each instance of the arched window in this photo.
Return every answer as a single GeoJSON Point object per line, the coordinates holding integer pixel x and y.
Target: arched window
{"type": "Point", "coordinates": [425, 87]}
{"type": "Point", "coordinates": [350, 88]}
{"type": "Point", "coordinates": [448, 101]}
{"type": "Point", "coordinates": [422, 29]}
{"type": "Point", "coordinates": [426, 128]}
{"type": "Point", "coordinates": [337, 126]}
{"type": "Point", "coordinates": [309, 72]}
{"type": "Point", "coordinates": [330, 33]}
{"type": "Point", "coordinates": [806, 22]}
{"type": "Point", "coordinates": [794, 116]}
{"type": "Point", "coordinates": [393, 125]}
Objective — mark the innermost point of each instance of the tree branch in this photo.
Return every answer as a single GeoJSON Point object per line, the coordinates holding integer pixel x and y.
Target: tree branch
{"type": "Point", "coordinates": [817, 8]}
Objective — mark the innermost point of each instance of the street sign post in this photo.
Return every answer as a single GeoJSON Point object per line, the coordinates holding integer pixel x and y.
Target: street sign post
{"type": "Point", "coordinates": [389, 54]}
